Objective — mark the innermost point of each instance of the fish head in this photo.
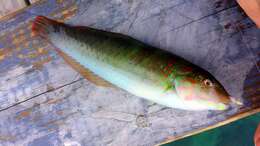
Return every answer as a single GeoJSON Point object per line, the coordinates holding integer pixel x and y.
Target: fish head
{"type": "Point", "coordinates": [202, 90]}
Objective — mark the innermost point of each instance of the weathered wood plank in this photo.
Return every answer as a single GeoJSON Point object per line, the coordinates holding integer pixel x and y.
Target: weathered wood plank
{"type": "Point", "coordinates": [7, 7]}
{"type": "Point", "coordinates": [94, 116]}
{"type": "Point", "coordinates": [45, 102]}
{"type": "Point", "coordinates": [29, 66]}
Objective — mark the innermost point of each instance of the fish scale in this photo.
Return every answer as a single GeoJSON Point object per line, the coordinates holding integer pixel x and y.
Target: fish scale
{"type": "Point", "coordinates": [143, 70]}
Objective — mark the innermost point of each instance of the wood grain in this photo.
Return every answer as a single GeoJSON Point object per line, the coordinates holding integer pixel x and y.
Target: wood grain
{"type": "Point", "coordinates": [45, 102]}
{"type": "Point", "coordinates": [10, 6]}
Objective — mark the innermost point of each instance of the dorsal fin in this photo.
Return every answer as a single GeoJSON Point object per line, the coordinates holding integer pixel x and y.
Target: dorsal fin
{"type": "Point", "coordinates": [86, 73]}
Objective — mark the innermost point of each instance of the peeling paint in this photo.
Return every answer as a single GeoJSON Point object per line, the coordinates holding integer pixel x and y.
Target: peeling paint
{"type": "Point", "coordinates": [83, 114]}
{"type": "Point", "coordinates": [5, 52]}
{"type": "Point", "coordinates": [34, 54]}
{"type": "Point", "coordinates": [7, 137]}
{"type": "Point", "coordinates": [39, 64]}
{"type": "Point", "coordinates": [23, 114]}
{"type": "Point", "coordinates": [54, 101]}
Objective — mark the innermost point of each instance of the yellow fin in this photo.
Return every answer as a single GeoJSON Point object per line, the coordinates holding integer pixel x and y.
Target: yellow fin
{"type": "Point", "coordinates": [89, 75]}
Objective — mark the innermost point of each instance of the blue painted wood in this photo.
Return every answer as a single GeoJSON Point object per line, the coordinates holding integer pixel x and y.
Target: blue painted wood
{"type": "Point", "coordinates": [45, 102]}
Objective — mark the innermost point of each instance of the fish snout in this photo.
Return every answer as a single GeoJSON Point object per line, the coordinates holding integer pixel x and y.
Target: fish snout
{"type": "Point", "coordinates": [236, 101]}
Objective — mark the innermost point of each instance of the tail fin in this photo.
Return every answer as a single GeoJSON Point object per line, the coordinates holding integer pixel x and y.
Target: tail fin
{"type": "Point", "coordinates": [43, 26]}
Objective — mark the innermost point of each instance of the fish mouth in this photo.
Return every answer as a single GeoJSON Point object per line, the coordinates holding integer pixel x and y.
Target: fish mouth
{"type": "Point", "coordinates": [220, 107]}
{"type": "Point", "coordinates": [227, 106]}
{"type": "Point", "coordinates": [236, 101]}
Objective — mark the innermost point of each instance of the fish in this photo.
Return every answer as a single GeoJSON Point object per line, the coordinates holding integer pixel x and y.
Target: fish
{"type": "Point", "coordinates": [112, 59]}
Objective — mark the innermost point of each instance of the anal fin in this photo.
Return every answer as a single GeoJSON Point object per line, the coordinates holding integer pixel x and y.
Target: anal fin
{"type": "Point", "coordinates": [86, 73]}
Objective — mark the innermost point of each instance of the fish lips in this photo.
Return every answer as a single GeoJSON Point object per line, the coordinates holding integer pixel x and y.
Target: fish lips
{"type": "Point", "coordinates": [236, 101]}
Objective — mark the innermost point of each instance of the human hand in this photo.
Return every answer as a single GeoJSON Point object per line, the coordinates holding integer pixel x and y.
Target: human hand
{"type": "Point", "coordinates": [257, 136]}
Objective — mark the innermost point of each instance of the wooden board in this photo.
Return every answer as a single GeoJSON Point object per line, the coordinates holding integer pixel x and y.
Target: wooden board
{"type": "Point", "coordinates": [7, 7]}
{"type": "Point", "coordinates": [43, 101]}
{"type": "Point", "coordinates": [238, 133]}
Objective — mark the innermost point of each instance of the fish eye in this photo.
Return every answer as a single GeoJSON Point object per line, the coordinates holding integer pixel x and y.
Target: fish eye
{"type": "Point", "coordinates": [208, 82]}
